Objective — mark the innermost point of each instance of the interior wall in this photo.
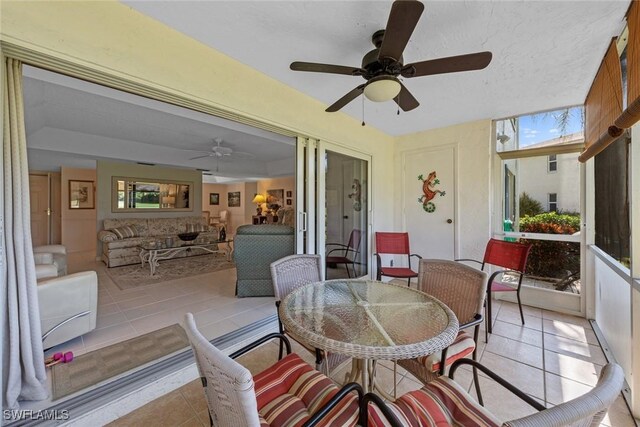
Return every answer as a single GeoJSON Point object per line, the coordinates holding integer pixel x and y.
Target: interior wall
{"type": "Point", "coordinates": [287, 183]}
{"type": "Point", "coordinates": [472, 142]}
{"type": "Point", "coordinates": [78, 224]}
{"type": "Point", "coordinates": [106, 170]}
{"type": "Point", "coordinates": [221, 190]}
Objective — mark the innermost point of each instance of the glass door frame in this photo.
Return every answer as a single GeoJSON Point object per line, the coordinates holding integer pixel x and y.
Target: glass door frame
{"type": "Point", "coordinates": [311, 193]}
{"type": "Point", "coordinates": [323, 147]}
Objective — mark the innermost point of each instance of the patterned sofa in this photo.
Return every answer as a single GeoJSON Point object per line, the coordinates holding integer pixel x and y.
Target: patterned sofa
{"type": "Point", "coordinates": [255, 247]}
{"type": "Point", "coordinates": [121, 237]}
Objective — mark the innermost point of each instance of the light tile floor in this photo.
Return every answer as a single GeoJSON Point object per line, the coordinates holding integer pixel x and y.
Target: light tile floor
{"type": "Point", "coordinates": [554, 358]}
{"type": "Point", "coordinates": [127, 314]}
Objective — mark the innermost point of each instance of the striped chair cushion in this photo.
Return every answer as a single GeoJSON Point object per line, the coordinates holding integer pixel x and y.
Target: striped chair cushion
{"type": "Point", "coordinates": [125, 231]}
{"type": "Point", "coordinates": [290, 391]}
{"type": "Point", "coordinates": [462, 346]}
{"type": "Point", "coordinates": [442, 402]}
{"type": "Point", "coordinates": [191, 228]}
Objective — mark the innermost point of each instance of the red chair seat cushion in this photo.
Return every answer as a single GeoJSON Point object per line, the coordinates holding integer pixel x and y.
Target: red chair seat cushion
{"type": "Point", "coordinates": [498, 286]}
{"type": "Point", "coordinates": [402, 272]}
{"type": "Point", "coordinates": [290, 391]}
{"type": "Point", "coordinates": [461, 347]}
{"type": "Point", "coordinates": [442, 402]}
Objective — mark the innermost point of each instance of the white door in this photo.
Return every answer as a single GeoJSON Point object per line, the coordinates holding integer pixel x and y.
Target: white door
{"type": "Point", "coordinates": [429, 201]}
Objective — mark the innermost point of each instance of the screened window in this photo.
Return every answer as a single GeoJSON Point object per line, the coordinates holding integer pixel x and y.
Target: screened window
{"type": "Point", "coordinates": [612, 231]}
{"type": "Point", "coordinates": [541, 193]}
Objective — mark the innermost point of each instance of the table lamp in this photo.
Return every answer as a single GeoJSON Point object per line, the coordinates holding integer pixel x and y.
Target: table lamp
{"type": "Point", "coordinates": [259, 200]}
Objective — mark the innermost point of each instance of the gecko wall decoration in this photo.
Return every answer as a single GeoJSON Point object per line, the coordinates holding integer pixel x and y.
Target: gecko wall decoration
{"type": "Point", "coordinates": [356, 195]}
{"type": "Point", "coordinates": [429, 192]}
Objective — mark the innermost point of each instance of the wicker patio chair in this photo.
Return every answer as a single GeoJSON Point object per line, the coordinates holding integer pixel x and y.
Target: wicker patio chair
{"type": "Point", "coordinates": [288, 393]}
{"type": "Point", "coordinates": [512, 257]}
{"type": "Point", "coordinates": [394, 244]}
{"type": "Point", "coordinates": [288, 274]}
{"type": "Point", "coordinates": [462, 289]}
{"type": "Point", "coordinates": [444, 401]}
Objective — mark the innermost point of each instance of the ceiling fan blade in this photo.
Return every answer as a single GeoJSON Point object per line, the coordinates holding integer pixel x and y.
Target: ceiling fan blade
{"type": "Point", "coordinates": [403, 19]}
{"type": "Point", "coordinates": [405, 100]}
{"type": "Point", "coordinates": [243, 155]}
{"type": "Point", "coordinates": [200, 157]}
{"type": "Point", "coordinates": [345, 99]}
{"type": "Point", "coordinates": [325, 68]}
{"type": "Point", "coordinates": [452, 64]}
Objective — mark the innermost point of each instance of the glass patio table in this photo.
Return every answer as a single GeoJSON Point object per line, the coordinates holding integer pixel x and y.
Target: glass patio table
{"type": "Point", "coordinates": [154, 251]}
{"type": "Point", "coordinates": [368, 320]}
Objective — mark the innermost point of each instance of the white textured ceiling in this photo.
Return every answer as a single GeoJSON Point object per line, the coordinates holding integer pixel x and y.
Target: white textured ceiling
{"type": "Point", "coordinates": [545, 53]}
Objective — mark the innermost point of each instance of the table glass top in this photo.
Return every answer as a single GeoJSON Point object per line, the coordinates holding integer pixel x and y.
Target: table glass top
{"type": "Point", "coordinates": [177, 243]}
{"type": "Point", "coordinates": [365, 313]}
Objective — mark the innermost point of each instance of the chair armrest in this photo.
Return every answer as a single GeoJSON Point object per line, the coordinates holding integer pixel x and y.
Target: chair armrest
{"type": "Point", "coordinates": [327, 407]}
{"type": "Point", "coordinates": [384, 408]}
{"type": "Point", "coordinates": [261, 341]}
{"type": "Point", "coordinates": [345, 249]}
{"type": "Point", "coordinates": [54, 249]}
{"type": "Point", "coordinates": [416, 255]}
{"type": "Point", "coordinates": [477, 319]}
{"type": "Point", "coordinates": [516, 391]}
{"type": "Point", "coordinates": [378, 266]}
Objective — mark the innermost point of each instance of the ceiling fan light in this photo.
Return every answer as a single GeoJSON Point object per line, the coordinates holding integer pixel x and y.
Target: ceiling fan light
{"type": "Point", "coordinates": [382, 89]}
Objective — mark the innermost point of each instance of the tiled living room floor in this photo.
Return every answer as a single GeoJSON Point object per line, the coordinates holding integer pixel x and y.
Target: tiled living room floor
{"type": "Point", "coordinates": [553, 358]}
{"type": "Point", "coordinates": [126, 314]}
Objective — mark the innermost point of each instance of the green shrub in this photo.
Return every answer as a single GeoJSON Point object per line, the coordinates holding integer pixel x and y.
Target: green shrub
{"type": "Point", "coordinates": [552, 259]}
{"type": "Point", "coordinates": [529, 206]}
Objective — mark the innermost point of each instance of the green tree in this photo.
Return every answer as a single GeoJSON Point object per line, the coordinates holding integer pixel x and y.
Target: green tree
{"type": "Point", "coordinates": [529, 206]}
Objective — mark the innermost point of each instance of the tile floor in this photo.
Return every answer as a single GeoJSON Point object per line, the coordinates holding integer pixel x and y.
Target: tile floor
{"type": "Point", "coordinates": [127, 314]}
{"type": "Point", "coordinates": [554, 357]}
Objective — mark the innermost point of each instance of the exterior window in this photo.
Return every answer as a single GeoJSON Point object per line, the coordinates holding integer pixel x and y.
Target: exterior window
{"type": "Point", "coordinates": [552, 163]}
{"type": "Point", "coordinates": [553, 202]}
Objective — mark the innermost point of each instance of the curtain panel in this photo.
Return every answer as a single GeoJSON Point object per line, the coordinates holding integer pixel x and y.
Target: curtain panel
{"type": "Point", "coordinates": [23, 371]}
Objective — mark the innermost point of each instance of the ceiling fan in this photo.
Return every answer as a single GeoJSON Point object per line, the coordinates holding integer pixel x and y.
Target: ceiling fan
{"type": "Point", "coordinates": [382, 67]}
{"type": "Point", "coordinates": [219, 151]}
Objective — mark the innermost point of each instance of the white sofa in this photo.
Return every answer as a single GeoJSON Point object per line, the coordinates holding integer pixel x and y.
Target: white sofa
{"type": "Point", "coordinates": [62, 299]}
{"type": "Point", "coordinates": [118, 251]}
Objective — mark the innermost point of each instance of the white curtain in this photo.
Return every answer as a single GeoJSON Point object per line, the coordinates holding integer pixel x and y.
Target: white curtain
{"type": "Point", "coordinates": [23, 372]}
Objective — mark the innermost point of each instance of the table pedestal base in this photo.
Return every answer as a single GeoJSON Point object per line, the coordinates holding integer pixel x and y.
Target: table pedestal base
{"type": "Point", "coordinates": [365, 369]}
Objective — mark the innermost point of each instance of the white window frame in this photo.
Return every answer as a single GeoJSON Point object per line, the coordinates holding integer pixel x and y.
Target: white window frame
{"type": "Point", "coordinates": [555, 202]}
{"type": "Point", "coordinates": [551, 161]}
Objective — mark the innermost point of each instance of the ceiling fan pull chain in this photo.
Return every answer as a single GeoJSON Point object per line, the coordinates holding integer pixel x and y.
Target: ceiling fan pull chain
{"type": "Point", "coordinates": [398, 103]}
{"type": "Point", "coordinates": [363, 111]}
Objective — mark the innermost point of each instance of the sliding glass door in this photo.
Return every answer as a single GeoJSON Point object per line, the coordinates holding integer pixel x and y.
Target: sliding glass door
{"type": "Point", "coordinates": [334, 219]}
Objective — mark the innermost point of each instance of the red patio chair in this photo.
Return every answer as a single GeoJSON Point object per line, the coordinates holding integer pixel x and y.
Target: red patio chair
{"type": "Point", "coordinates": [394, 244]}
{"type": "Point", "coordinates": [347, 253]}
{"type": "Point", "coordinates": [512, 257]}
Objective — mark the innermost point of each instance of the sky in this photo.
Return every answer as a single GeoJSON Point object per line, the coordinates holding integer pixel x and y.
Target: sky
{"type": "Point", "coordinates": [543, 126]}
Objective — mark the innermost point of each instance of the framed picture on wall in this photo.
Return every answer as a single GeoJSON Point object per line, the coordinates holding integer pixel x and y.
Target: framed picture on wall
{"type": "Point", "coordinates": [214, 198]}
{"type": "Point", "coordinates": [234, 199]}
{"type": "Point", "coordinates": [289, 194]}
{"type": "Point", "coordinates": [81, 195]}
{"type": "Point", "coordinates": [288, 202]}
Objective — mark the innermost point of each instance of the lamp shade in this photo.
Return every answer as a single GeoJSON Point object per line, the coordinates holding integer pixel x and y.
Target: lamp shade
{"type": "Point", "coordinates": [259, 199]}
{"type": "Point", "coordinates": [168, 200]}
{"type": "Point", "coordinates": [382, 88]}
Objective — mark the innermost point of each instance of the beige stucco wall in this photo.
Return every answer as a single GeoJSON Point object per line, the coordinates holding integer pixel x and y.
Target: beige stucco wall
{"type": "Point", "coordinates": [78, 225]}
{"type": "Point", "coordinates": [472, 143]}
{"type": "Point", "coordinates": [111, 37]}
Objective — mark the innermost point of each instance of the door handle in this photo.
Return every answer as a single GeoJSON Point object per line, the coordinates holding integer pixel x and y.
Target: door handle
{"type": "Point", "coordinates": [345, 217]}
{"type": "Point", "coordinates": [449, 221]}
